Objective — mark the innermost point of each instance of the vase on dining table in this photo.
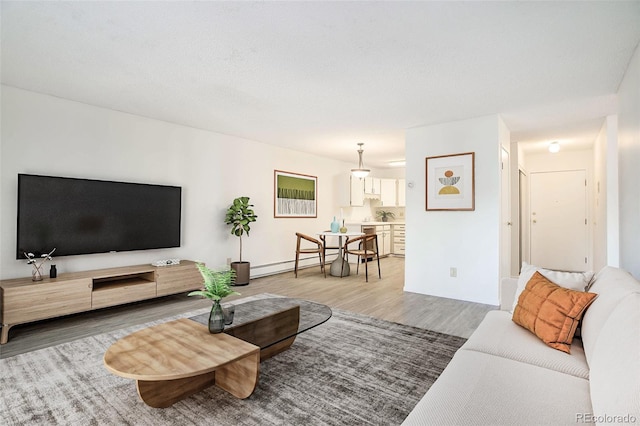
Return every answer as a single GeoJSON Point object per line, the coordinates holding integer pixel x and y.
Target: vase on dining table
{"type": "Point", "coordinates": [335, 225]}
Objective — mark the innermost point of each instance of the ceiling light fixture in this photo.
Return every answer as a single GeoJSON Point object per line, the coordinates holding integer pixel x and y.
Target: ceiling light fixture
{"type": "Point", "coordinates": [554, 147]}
{"type": "Point", "coordinates": [360, 172]}
{"type": "Point", "coordinates": [400, 163]}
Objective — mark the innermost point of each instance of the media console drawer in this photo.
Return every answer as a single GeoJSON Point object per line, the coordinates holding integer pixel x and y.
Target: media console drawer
{"type": "Point", "coordinates": [44, 299]}
{"type": "Point", "coordinates": [178, 278]}
{"type": "Point", "coordinates": [122, 291]}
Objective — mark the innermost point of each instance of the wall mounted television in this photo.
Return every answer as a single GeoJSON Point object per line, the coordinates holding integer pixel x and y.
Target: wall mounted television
{"type": "Point", "coordinates": [84, 216]}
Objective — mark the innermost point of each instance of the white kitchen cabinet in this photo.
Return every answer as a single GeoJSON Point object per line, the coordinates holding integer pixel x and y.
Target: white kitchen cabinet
{"type": "Point", "coordinates": [384, 237]}
{"type": "Point", "coordinates": [388, 192]}
{"type": "Point", "coordinates": [357, 192]}
{"type": "Point", "coordinates": [372, 185]}
{"type": "Point", "coordinates": [398, 239]}
{"type": "Point", "coordinates": [349, 190]}
{"type": "Point", "coordinates": [402, 192]}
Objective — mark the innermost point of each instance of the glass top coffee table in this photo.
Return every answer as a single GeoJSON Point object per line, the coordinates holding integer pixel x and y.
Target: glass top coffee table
{"type": "Point", "coordinates": [273, 323]}
{"type": "Point", "coordinates": [173, 360]}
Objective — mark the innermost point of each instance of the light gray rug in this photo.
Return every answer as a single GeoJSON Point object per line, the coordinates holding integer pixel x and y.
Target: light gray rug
{"type": "Point", "coordinates": [350, 370]}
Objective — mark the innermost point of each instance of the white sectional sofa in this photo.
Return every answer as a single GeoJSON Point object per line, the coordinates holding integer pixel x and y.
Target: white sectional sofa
{"type": "Point", "coordinates": [505, 375]}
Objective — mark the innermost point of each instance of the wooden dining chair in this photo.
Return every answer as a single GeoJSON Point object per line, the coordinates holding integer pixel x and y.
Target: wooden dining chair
{"type": "Point", "coordinates": [319, 248]}
{"type": "Point", "coordinates": [364, 246]}
{"type": "Point", "coordinates": [325, 247]}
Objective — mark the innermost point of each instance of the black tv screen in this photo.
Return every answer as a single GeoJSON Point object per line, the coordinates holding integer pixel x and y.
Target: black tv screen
{"type": "Point", "coordinates": [83, 216]}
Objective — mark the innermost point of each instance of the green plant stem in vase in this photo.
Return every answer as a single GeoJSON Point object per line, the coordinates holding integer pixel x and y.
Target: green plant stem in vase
{"type": "Point", "coordinates": [217, 285]}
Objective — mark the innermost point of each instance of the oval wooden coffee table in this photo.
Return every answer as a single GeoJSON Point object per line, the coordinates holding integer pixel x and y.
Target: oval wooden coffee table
{"type": "Point", "coordinates": [174, 360]}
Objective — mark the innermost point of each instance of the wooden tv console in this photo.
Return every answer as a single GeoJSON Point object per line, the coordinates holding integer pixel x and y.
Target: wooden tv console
{"type": "Point", "coordinates": [23, 300]}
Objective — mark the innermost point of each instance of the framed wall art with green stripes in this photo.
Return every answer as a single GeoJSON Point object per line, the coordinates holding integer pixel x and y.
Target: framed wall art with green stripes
{"type": "Point", "coordinates": [295, 195]}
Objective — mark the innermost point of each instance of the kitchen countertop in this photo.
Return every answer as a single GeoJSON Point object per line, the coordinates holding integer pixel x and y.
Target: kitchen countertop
{"type": "Point", "coordinates": [373, 223]}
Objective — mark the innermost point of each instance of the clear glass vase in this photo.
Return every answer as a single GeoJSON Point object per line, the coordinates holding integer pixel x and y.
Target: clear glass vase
{"type": "Point", "coordinates": [216, 318]}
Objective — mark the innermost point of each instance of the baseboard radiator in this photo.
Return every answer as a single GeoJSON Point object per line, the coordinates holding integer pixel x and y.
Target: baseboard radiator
{"type": "Point", "coordinates": [288, 265]}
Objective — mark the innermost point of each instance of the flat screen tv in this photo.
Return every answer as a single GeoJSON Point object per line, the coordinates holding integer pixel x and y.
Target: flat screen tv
{"type": "Point", "coordinates": [83, 216]}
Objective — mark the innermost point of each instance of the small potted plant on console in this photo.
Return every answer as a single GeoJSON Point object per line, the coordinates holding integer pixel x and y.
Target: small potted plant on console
{"type": "Point", "coordinates": [217, 285]}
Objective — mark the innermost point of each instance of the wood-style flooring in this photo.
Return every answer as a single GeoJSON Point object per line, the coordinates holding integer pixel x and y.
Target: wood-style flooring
{"type": "Point", "coordinates": [382, 298]}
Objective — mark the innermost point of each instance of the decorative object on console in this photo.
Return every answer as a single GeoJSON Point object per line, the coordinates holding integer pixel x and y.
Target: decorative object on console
{"type": "Point", "coordinates": [385, 215]}
{"type": "Point", "coordinates": [240, 215]}
{"type": "Point", "coordinates": [295, 195]}
{"type": "Point", "coordinates": [343, 229]}
{"type": "Point", "coordinates": [166, 262]}
{"type": "Point", "coordinates": [360, 172]}
{"type": "Point", "coordinates": [53, 272]}
{"type": "Point", "coordinates": [450, 182]}
{"type": "Point", "coordinates": [217, 285]}
{"type": "Point", "coordinates": [36, 274]}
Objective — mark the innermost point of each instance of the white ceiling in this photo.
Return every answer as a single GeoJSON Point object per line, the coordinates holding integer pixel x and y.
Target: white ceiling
{"type": "Point", "coordinates": [321, 76]}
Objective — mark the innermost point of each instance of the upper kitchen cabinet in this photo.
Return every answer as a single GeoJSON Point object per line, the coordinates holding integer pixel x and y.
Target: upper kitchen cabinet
{"type": "Point", "coordinates": [350, 191]}
{"type": "Point", "coordinates": [388, 192]}
{"type": "Point", "coordinates": [357, 191]}
{"type": "Point", "coordinates": [372, 185]}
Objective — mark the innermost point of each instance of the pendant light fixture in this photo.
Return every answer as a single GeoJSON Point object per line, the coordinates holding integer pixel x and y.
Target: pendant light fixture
{"type": "Point", "coordinates": [360, 172]}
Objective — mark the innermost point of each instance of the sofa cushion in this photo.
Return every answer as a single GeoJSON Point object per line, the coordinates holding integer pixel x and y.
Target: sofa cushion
{"type": "Point", "coordinates": [578, 281]}
{"type": "Point", "coordinates": [612, 285]}
{"type": "Point", "coordinates": [551, 312]}
{"type": "Point", "coordinates": [498, 335]}
{"type": "Point", "coordinates": [615, 362]}
{"type": "Point", "coordinates": [482, 389]}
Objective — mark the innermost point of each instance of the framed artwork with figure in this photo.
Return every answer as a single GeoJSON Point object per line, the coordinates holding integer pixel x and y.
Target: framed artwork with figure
{"type": "Point", "coordinates": [450, 182]}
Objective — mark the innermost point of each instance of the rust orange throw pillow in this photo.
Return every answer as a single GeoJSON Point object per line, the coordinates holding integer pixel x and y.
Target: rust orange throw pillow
{"type": "Point", "coordinates": [551, 312]}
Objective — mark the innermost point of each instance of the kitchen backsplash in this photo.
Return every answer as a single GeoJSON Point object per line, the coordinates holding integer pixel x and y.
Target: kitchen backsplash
{"type": "Point", "coordinates": [367, 213]}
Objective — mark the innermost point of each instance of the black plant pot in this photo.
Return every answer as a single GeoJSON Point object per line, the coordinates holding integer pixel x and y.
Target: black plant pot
{"type": "Point", "coordinates": [243, 272]}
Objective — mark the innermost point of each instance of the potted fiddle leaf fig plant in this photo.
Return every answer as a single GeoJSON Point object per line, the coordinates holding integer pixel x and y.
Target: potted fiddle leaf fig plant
{"type": "Point", "coordinates": [239, 216]}
{"type": "Point", "coordinates": [217, 285]}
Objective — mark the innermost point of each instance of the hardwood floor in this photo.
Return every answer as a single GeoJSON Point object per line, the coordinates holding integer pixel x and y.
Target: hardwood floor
{"type": "Point", "coordinates": [381, 298]}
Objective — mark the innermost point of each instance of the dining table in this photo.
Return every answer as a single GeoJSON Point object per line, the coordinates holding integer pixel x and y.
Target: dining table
{"type": "Point", "coordinates": [337, 269]}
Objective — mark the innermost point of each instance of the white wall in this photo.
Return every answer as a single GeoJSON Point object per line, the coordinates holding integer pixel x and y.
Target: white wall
{"type": "Point", "coordinates": [606, 235]}
{"type": "Point", "coordinates": [629, 166]}
{"type": "Point", "coordinates": [600, 199]}
{"type": "Point", "coordinates": [467, 240]}
{"type": "Point", "coordinates": [47, 135]}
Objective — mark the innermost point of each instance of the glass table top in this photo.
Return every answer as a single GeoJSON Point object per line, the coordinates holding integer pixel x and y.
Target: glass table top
{"type": "Point", "coordinates": [265, 322]}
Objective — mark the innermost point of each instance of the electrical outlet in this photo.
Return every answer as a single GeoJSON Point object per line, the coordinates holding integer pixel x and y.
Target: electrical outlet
{"type": "Point", "coordinates": [228, 261]}
{"type": "Point", "coordinates": [453, 272]}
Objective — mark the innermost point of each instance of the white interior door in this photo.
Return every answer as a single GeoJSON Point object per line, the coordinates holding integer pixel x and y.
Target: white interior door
{"type": "Point", "coordinates": [559, 220]}
{"type": "Point", "coordinates": [523, 182]}
{"type": "Point", "coordinates": [505, 216]}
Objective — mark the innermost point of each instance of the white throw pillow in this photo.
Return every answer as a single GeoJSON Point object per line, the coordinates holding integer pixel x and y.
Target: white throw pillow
{"type": "Point", "coordinates": [572, 280]}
